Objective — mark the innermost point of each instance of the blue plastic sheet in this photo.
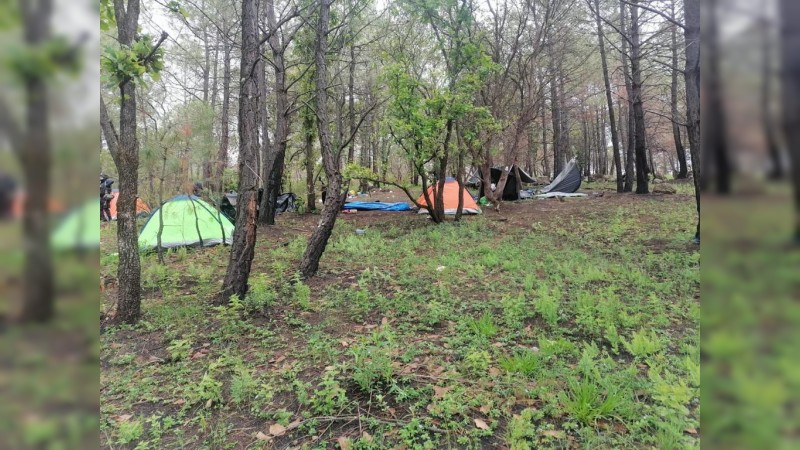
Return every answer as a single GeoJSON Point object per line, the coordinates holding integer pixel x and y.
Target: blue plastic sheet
{"type": "Point", "coordinates": [377, 206]}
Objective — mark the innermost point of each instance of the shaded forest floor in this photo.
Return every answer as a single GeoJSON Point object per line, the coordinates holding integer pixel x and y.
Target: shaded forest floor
{"type": "Point", "coordinates": [551, 324]}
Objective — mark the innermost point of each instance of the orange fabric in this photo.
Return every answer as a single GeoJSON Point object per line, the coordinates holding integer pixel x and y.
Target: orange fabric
{"type": "Point", "coordinates": [450, 197]}
{"type": "Point", "coordinates": [141, 206]}
{"type": "Point", "coordinates": [18, 205]}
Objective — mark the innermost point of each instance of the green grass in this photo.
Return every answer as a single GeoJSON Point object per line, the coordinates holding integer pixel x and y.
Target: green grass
{"type": "Point", "coordinates": [577, 331]}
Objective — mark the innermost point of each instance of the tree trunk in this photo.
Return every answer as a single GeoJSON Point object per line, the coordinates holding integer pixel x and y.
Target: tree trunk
{"type": "Point", "coordinates": [33, 152]}
{"type": "Point", "coordinates": [631, 126]}
{"type": "Point", "coordinates": [638, 108]}
{"type": "Point", "coordinates": [309, 264]}
{"type": "Point", "coordinates": [565, 151]}
{"type": "Point", "coordinates": [125, 152]}
{"type": "Point", "coordinates": [790, 56]}
{"type": "Point", "coordinates": [224, 134]}
{"type": "Point", "coordinates": [129, 297]}
{"type": "Point", "coordinates": [308, 136]}
{"type": "Point", "coordinates": [545, 161]}
{"type": "Point", "coordinates": [244, 236]}
{"type": "Point", "coordinates": [683, 171]}
{"type": "Point", "coordinates": [776, 169]}
{"type": "Point", "coordinates": [275, 164]}
{"type": "Point", "coordinates": [555, 113]}
{"type": "Point", "coordinates": [692, 77]}
{"type": "Point", "coordinates": [609, 97]}
{"type": "Point", "coordinates": [351, 102]}
{"type": "Point", "coordinates": [715, 135]}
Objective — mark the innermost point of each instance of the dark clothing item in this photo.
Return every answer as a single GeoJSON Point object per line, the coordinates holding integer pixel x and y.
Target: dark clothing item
{"type": "Point", "coordinates": [105, 213]}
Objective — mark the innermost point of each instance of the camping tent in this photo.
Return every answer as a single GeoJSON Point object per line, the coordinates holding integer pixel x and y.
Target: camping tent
{"type": "Point", "coordinates": [188, 221]}
{"type": "Point", "coordinates": [450, 196]}
{"type": "Point", "coordinates": [80, 229]}
{"type": "Point", "coordinates": [285, 202]}
{"type": "Point", "coordinates": [53, 205]}
{"type": "Point", "coordinates": [513, 185]}
{"type": "Point", "coordinates": [377, 206]}
{"type": "Point", "coordinates": [568, 181]}
{"type": "Point", "coordinates": [141, 206]}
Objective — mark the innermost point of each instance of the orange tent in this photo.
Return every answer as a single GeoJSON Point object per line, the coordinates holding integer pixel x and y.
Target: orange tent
{"type": "Point", "coordinates": [141, 206]}
{"type": "Point", "coordinates": [451, 199]}
{"type": "Point", "coordinates": [18, 205]}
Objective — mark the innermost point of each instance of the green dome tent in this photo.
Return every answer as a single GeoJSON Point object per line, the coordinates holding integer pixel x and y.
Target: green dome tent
{"type": "Point", "coordinates": [188, 221]}
{"type": "Point", "coordinates": [80, 229]}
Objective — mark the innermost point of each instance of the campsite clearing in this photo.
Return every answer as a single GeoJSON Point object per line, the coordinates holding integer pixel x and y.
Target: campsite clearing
{"type": "Point", "coordinates": [547, 325]}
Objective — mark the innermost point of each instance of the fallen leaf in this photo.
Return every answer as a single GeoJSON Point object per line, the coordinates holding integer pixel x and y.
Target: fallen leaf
{"type": "Point", "coordinates": [392, 411]}
{"type": "Point", "coordinates": [692, 431]}
{"type": "Point", "coordinates": [366, 437]}
{"type": "Point", "coordinates": [262, 437]}
{"type": "Point", "coordinates": [179, 402]}
{"type": "Point", "coordinates": [494, 371]}
{"type": "Point", "coordinates": [384, 321]}
{"type": "Point", "coordinates": [438, 392]}
{"type": "Point", "coordinates": [124, 417]}
{"type": "Point", "coordinates": [293, 425]}
{"type": "Point", "coordinates": [481, 424]}
{"type": "Point", "coordinates": [209, 403]}
{"type": "Point", "coordinates": [207, 344]}
{"type": "Point", "coordinates": [485, 409]}
{"type": "Point", "coordinates": [344, 442]}
{"type": "Point", "coordinates": [344, 344]}
{"type": "Point", "coordinates": [277, 429]}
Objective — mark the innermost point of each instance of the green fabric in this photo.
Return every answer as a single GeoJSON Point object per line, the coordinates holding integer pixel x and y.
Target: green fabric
{"type": "Point", "coordinates": [80, 229]}
{"type": "Point", "coordinates": [183, 216]}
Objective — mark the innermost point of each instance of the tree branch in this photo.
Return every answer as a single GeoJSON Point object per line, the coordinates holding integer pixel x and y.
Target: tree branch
{"type": "Point", "coordinates": [112, 139]}
{"type": "Point", "coordinates": [655, 11]}
{"type": "Point", "coordinates": [360, 121]}
{"type": "Point", "coordinates": [161, 40]}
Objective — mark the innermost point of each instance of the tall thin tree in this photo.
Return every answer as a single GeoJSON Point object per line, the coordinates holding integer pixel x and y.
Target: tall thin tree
{"type": "Point", "coordinates": [124, 148]}
{"type": "Point", "coordinates": [244, 238]}
{"type": "Point", "coordinates": [609, 97]}
{"type": "Point", "coordinates": [691, 12]}
{"type": "Point", "coordinates": [790, 59]}
{"type": "Point", "coordinates": [642, 169]}
{"type": "Point", "coordinates": [683, 170]}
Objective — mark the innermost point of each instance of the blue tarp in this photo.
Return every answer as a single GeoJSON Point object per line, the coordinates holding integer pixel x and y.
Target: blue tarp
{"type": "Point", "coordinates": [377, 206]}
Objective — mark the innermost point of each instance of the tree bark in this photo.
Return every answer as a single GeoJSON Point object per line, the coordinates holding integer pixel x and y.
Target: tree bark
{"type": "Point", "coordinates": [124, 150]}
{"type": "Point", "coordinates": [545, 161]}
{"type": "Point", "coordinates": [631, 126]}
{"type": "Point", "coordinates": [642, 169]}
{"type": "Point", "coordinates": [351, 102]}
{"type": "Point", "coordinates": [683, 170]}
{"type": "Point", "coordinates": [692, 78]}
{"type": "Point", "coordinates": [776, 171]}
{"type": "Point", "coordinates": [790, 56]}
{"type": "Point", "coordinates": [309, 264]}
{"type": "Point", "coordinates": [308, 136]}
{"type": "Point", "coordinates": [222, 154]}
{"type": "Point", "coordinates": [609, 97]}
{"type": "Point", "coordinates": [555, 114]}
{"type": "Point", "coordinates": [244, 236]}
{"type": "Point", "coordinates": [274, 166]}
{"type": "Point", "coordinates": [715, 135]}
{"type": "Point", "coordinates": [35, 159]}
